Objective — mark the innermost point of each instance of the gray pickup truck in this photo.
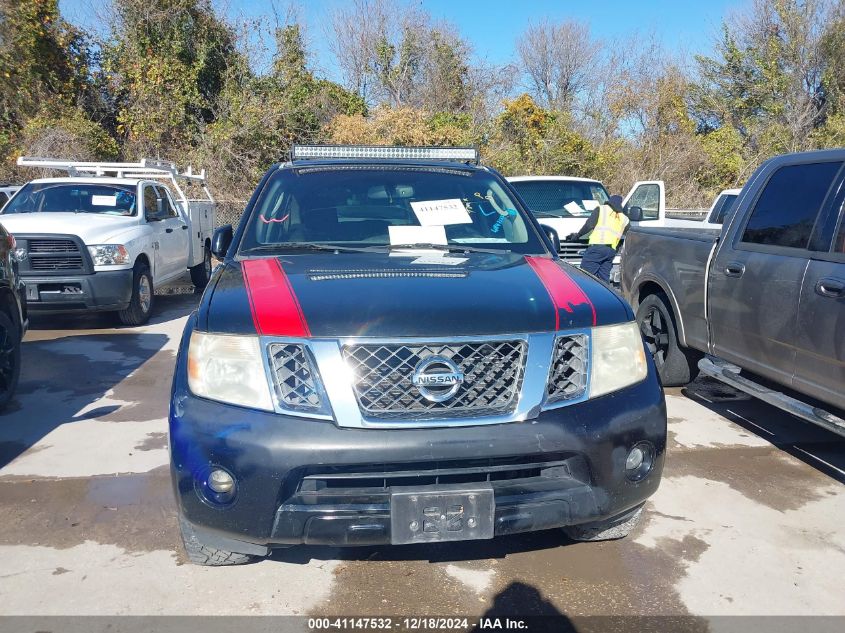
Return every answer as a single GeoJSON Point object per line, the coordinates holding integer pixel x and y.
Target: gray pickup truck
{"type": "Point", "coordinates": [759, 304]}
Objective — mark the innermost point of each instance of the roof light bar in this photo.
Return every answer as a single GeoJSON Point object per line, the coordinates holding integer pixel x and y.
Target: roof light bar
{"type": "Point", "coordinates": [460, 154]}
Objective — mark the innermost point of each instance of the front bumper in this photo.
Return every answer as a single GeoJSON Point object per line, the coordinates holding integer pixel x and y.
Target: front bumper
{"type": "Point", "coordinates": [309, 481]}
{"type": "Point", "coordinates": [107, 290]}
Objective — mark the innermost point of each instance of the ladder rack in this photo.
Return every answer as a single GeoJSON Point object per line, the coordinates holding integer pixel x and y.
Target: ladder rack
{"type": "Point", "coordinates": [146, 168]}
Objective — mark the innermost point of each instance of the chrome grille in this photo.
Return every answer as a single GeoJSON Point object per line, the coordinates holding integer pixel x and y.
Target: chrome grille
{"type": "Point", "coordinates": [572, 250]}
{"type": "Point", "coordinates": [295, 380]}
{"type": "Point", "coordinates": [493, 373]}
{"type": "Point", "coordinates": [570, 368]}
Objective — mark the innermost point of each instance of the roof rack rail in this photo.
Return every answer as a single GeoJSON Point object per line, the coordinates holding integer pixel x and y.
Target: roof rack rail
{"type": "Point", "coordinates": [317, 152]}
{"type": "Point", "coordinates": [146, 168]}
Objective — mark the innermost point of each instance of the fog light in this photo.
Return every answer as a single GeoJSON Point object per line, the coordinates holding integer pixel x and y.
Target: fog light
{"type": "Point", "coordinates": [639, 461]}
{"type": "Point", "coordinates": [220, 481]}
{"type": "Point", "coordinates": [635, 459]}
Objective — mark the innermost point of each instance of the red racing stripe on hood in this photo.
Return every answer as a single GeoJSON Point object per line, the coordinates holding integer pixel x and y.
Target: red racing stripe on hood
{"type": "Point", "coordinates": [562, 289]}
{"type": "Point", "coordinates": [275, 308]}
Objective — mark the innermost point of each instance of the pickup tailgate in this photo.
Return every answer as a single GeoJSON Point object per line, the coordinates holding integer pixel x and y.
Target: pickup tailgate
{"type": "Point", "coordinates": [674, 261]}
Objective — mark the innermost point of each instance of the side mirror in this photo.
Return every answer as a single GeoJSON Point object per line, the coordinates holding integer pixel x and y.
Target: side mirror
{"type": "Point", "coordinates": [221, 240]}
{"type": "Point", "coordinates": [554, 238]}
{"type": "Point", "coordinates": [635, 214]}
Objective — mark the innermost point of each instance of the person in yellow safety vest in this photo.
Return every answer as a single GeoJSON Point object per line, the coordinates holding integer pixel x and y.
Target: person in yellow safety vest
{"type": "Point", "coordinates": [608, 224]}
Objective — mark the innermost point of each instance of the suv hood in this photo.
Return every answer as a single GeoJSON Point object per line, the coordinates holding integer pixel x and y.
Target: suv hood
{"type": "Point", "coordinates": [388, 295]}
{"type": "Point", "coordinates": [91, 228]}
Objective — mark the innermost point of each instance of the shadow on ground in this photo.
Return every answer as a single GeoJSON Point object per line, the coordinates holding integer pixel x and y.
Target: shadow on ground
{"type": "Point", "coordinates": [65, 376]}
{"type": "Point", "coordinates": [813, 445]}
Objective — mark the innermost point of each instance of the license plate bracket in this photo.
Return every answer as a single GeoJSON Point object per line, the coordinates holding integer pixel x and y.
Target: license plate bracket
{"type": "Point", "coordinates": [452, 512]}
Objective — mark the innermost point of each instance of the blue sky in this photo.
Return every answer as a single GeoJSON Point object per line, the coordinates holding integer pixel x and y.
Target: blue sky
{"type": "Point", "coordinates": [492, 26]}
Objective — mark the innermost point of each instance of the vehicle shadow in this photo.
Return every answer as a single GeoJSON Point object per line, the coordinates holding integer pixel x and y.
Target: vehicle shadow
{"type": "Point", "coordinates": [171, 303]}
{"type": "Point", "coordinates": [460, 551]}
{"type": "Point", "coordinates": [813, 445]}
{"type": "Point", "coordinates": [88, 374]}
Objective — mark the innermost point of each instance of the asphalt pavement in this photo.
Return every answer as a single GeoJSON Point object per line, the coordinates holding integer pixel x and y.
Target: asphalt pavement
{"type": "Point", "coordinates": [748, 518]}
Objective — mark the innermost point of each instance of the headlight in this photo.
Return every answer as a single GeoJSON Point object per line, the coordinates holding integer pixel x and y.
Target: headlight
{"type": "Point", "coordinates": [618, 358]}
{"type": "Point", "coordinates": [109, 254]}
{"type": "Point", "coordinates": [228, 369]}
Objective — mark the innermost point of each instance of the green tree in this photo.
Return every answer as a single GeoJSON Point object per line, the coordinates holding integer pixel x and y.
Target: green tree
{"type": "Point", "coordinates": [167, 63]}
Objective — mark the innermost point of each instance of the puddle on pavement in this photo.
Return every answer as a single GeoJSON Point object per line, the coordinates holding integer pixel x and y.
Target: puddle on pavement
{"type": "Point", "coordinates": [136, 512]}
{"type": "Point", "coordinates": [765, 475]}
{"type": "Point", "coordinates": [145, 393]}
{"type": "Point", "coordinates": [540, 573]}
{"type": "Point", "coordinates": [153, 441]}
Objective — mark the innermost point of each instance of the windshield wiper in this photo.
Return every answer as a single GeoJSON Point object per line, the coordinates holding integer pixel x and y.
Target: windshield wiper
{"type": "Point", "coordinates": [451, 248]}
{"type": "Point", "coordinates": [302, 246]}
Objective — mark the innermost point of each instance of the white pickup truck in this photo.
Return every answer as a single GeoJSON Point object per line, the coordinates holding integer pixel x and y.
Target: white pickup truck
{"type": "Point", "coordinates": [565, 202]}
{"type": "Point", "coordinates": [104, 236]}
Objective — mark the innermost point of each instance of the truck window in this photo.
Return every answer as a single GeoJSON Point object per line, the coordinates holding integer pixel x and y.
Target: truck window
{"type": "Point", "coordinates": [839, 242]}
{"type": "Point", "coordinates": [73, 197]}
{"type": "Point", "coordinates": [561, 198]}
{"type": "Point", "coordinates": [167, 203]}
{"type": "Point", "coordinates": [150, 202]}
{"type": "Point", "coordinates": [726, 209]}
{"type": "Point", "coordinates": [786, 211]}
{"type": "Point", "coordinates": [647, 197]}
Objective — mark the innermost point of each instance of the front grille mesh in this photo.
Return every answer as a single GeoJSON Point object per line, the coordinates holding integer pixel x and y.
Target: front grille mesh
{"type": "Point", "coordinates": [569, 370]}
{"type": "Point", "coordinates": [47, 255]}
{"type": "Point", "coordinates": [493, 373]}
{"type": "Point", "coordinates": [52, 246]}
{"type": "Point", "coordinates": [56, 262]}
{"type": "Point", "coordinates": [296, 382]}
{"type": "Point", "coordinates": [572, 250]}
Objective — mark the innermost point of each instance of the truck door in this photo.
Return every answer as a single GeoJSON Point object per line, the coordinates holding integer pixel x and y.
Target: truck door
{"type": "Point", "coordinates": [756, 277]}
{"type": "Point", "coordinates": [650, 196]}
{"type": "Point", "coordinates": [174, 236]}
{"type": "Point", "coordinates": [820, 362]}
{"type": "Point", "coordinates": [154, 221]}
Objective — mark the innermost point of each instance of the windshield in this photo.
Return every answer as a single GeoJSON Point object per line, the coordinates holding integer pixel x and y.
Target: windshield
{"type": "Point", "coordinates": [377, 207]}
{"type": "Point", "coordinates": [725, 210]}
{"type": "Point", "coordinates": [51, 197]}
{"type": "Point", "coordinates": [561, 198]}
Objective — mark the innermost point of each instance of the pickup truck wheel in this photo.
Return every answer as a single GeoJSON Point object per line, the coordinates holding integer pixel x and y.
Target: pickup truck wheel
{"type": "Point", "coordinates": [10, 359]}
{"type": "Point", "coordinates": [201, 273]}
{"type": "Point", "coordinates": [604, 532]}
{"type": "Point", "coordinates": [201, 554]}
{"type": "Point", "coordinates": [675, 365]}
{"type": "Point", "coordinates": [141, 304]}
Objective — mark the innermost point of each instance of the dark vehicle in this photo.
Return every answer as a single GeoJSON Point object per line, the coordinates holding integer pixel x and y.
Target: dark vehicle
{"type": "Point", "coordinates": [13, 318]}
{"type": "Point", "coordinates": [392, 353]}
{"type": "Point", "coordinates": [763, 298]}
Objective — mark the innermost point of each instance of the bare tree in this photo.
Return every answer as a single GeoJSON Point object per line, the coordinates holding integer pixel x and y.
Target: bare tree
{"type": "Point", "coordinates": [353, 31]}
{"type": "Point", "coordinates": [557, 59]}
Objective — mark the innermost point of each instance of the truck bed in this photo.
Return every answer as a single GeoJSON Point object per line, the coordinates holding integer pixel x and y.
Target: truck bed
{"type": "Point", "coordinates": [675, 259]}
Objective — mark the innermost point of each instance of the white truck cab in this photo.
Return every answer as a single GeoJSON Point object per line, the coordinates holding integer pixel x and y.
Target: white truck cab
{"type": "Point", "coordinates": [722, 209]}
{"type": "Point", "coordinates": [564, 203]}
{"type": "Point", "coordinates": [104, 236]}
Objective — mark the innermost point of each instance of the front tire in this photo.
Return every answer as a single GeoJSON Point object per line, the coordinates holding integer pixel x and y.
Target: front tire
{"type": "Point", "coordinates": [201, 554]}
{"type": "Point", "coordinates": [676, 365]}
{"type": "Point", "coordinates": [141, 304]}
{"type": "Point", "coordinates": [10, 359]}
{"type": "Point", "coordinates": [201, 273]}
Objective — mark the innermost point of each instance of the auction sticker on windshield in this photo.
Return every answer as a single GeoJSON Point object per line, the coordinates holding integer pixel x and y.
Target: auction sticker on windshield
{"type": "Point", "coordinates": [417, 235]}
{"type": "Point", "coordinates": [104, 201]}
{"type": "Point", "coordinates": [441, 212]}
